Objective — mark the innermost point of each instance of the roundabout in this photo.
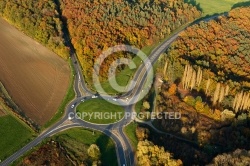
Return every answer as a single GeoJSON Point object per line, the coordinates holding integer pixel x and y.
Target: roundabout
{"type": "Point", "coordinates": [113, 129]}
{"type": "Point", "coordinates": [99, 111]}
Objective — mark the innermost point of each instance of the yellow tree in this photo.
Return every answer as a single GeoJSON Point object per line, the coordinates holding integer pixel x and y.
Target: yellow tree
{"type": "Point", "coordinates": [222, 94]}
{"type": "Point", "coordinates": [193, 80]}
{"type": "Point", "coordinates": [207, 86]}
{"type": "Point", "coordinates": [199, 77]}
{"type": "Point", "coordinates": [216, 93]}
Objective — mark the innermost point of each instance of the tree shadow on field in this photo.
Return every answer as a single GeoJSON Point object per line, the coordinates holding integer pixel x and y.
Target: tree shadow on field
{"type": "Point", "coordinates": [102, 142]}
{"type": "Point", "coordinates": [241, 4]}
{"type": "Point", "coordinates": [200, 147]}
{"type": "Point", "coordinates": [194, 3]}
{"type": "Point", "coordinates": [106, 151]}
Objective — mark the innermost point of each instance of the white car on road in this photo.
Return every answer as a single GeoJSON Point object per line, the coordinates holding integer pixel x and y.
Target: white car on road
{"type": "Point", "coordinates": [73, 106]}
{"type": "Point", "coordinates": [94, 96]}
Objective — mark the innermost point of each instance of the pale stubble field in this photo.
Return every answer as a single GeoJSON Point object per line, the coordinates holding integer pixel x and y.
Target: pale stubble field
{"type": "Point", "coordinates": [35, 77]}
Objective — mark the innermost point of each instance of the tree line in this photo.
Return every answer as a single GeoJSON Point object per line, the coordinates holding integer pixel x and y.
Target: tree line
{"type": "Point", "coordinates": [96, 25]}
{"type": "Point", "coordinates": [213, 58]}
{"type": "Point", "coordinates": [220, 46]}
{"type": "Point", "coordinates": [38, 19]}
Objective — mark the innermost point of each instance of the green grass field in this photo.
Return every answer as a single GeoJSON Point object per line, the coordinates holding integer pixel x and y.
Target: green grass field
{"type": "Point", "coordinates": [13, 135]}
{"type": "Point", "coordinates": [210, 7]}
{"type": "Point", "coordinates": [130, 132]}
{"type": "Point", "coordinates": [106, 145]}
{"type": "Point", "coordinates": [106, 109]}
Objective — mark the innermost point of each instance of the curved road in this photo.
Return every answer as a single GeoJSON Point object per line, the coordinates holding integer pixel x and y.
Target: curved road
{"type": "Point", "coordinates": [124, 150]}
{"type": "Point", "coordinates": [140, 76]}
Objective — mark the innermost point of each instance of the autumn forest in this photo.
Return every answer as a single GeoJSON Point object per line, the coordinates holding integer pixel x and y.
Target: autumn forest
{"type": "Point", "coordinates": [204, 74]}
{"type": "Point", "coordinates": [97, 25]}
{"type": "Point", "coordinates": [138, 23]}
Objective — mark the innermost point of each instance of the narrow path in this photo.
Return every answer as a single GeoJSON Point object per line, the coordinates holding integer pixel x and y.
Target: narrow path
{"type": "Point", "coordinates": [149, 124]}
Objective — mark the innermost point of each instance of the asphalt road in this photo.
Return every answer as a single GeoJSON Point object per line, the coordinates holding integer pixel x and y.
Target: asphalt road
{"type": "Point", "coordinates": [141, 74]}
{"type": "Point", "coordinates": [124, 149]}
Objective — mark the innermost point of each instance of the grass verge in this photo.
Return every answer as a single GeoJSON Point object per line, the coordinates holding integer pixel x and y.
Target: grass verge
{"type": "Point", "coordinates": [70, 96]}
{"type": "Point", "coordinates": [80, 138]}
{"type": "Point", "coordinates": [106, 145]}
{"type": "Point", "coordinates": [130, 132]}
{"type": "Point", "coordinates": [212, 7]}
{"type": "Point", "coordinates": [100, 111]}
{"type": "Point", "coordinates": [13, 135]}
{"type": "Point", "coordinates": [138, 106]}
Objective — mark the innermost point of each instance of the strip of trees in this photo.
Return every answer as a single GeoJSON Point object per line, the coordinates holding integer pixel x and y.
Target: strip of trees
{"type": "Point", "coordinates": [192, 79]}
{"type": "Point", "coordinates": [220, 46]}
{"type": "Point", "coordinates": [212, 58]}
{"type": "Point", "coordinates": [149, 154]}
{"type": "Point", "coordinates": [241, 101]}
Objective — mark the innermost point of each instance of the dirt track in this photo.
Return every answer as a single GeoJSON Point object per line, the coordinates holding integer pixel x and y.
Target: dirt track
{"type": "Point", "coordinates": [35, 77]}
{"type": "Point", "coordinates": [2, 112]}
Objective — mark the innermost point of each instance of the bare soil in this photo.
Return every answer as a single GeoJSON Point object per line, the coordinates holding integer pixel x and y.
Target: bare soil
{"type": "Point", "coordinates": [35, 77]}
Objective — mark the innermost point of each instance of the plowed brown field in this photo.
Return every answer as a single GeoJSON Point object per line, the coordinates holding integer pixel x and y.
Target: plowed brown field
{"type": "Point", "coordinates": [35, 77]}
